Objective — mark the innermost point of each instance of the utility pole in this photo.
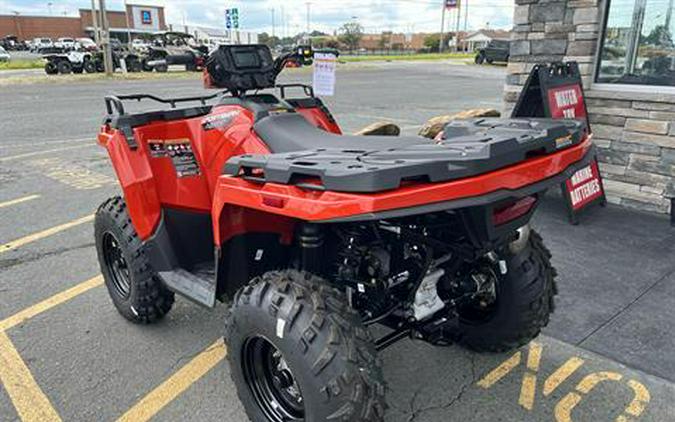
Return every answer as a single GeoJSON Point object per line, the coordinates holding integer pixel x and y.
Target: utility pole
{"type": "Point", "coordinates": [459, 15]}
{"type": "Point", "coordinates": [309, 7]}
{"type": "Point", "coordinates": [669, 15]}
{"type": "Point", "coordinates": [273, 23]}
{"type": "Point", "coordinates": [440, 40]}
{"type": "Point", "coordinates": [105, 35]}
{"type": "Point", "coordinates": [466, 15]}
{"type": "Point", "coordinates": [94, 23]}
{"type": "Point", "coordinates": [126, 15]}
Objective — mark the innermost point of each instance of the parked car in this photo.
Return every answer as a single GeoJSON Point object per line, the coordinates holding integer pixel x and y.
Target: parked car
{"type": "Point", "coordinates": [12, 43]}
{"type": "Point", "coordinates": [4, 55]}
{"type": "Point", "coordinates": [496, 51]}
{"type": "Point", "coordinates": [41, 43]}
{"type": "Point", "coordinates": [86, 44]}
{"type": "Point", "coordinates": [65, 43]}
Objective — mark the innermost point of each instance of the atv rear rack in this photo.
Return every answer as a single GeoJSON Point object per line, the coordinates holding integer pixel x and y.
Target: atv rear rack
{"type": "Point", "coordinates": [114, 103]}
{"type": "Point", "coordinates": [473, 147]}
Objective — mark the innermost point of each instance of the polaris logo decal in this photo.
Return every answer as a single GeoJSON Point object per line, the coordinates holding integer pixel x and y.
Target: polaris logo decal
{"type": "Point", "coordinates": [563, 142]}
{"type": "Point", "coordinates": [219, 120]}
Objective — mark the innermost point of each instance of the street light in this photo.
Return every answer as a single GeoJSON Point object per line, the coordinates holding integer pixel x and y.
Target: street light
{"type": "Point", "coordinates": [49, 5]}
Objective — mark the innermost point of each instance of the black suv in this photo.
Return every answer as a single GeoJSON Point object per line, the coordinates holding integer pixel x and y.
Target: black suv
{"type": "Point", "coordinates": [496, 51]}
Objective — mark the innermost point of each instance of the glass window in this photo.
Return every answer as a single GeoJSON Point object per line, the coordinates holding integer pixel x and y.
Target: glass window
{"type": "Point", "coordinates": [637, 44]}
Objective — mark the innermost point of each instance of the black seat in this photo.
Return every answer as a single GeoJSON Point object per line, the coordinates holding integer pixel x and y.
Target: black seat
{"type": "Point", "coordinates": [291, 132]}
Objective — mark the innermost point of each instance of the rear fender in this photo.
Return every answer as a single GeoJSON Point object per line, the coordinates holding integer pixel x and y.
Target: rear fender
{"type": "Point", "coordinates": [248, 243]}
{"type": "Point", "coordinates": [484, 232]}
{"type": "Point", "coordinates": [136, 179]}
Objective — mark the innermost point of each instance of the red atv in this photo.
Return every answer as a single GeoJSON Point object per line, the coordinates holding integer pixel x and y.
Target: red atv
{"type": "Point", "coordinates": [314, 235]}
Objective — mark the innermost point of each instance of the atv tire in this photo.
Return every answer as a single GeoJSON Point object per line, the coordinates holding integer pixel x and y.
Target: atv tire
{"type": "Point", "coordinates": [525, 300]}
{"type": "Point", "coordinates": [320, 351]}
{"type": "Point", "coordinates": [64, 67]}
{"type": "Point", "coordinates": [134, 287]}
{"type": "Point", "coordinates": [51, 68]}
{"type": "Point", "coordinates": [89, 66]}
{"type": "Point", "coordinates": [134, 65]}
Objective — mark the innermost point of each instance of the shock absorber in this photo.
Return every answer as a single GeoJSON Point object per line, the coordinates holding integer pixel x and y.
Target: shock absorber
{"type": "Point", "coordinates": [310, 238]}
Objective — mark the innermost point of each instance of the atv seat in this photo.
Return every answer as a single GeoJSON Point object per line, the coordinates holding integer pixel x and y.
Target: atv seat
{"type": "Point", "coordinates": [291, 132]}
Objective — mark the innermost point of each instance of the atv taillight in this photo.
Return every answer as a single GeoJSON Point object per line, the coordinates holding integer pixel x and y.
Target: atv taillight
{"type": "Point", "coordinates": [513, 210]}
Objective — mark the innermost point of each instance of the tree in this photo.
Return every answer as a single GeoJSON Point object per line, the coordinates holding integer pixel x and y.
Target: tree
{"type": "Point", "coordinates": [270, 41]}
{"type": "Point", "coordinates": [385, 40]}
{"type": "Point", "coordinates": [351, 34]}
{"type": "Point", "coordinates": [431, 42]}
{"type": "Point", "coordinates": [660, 36]}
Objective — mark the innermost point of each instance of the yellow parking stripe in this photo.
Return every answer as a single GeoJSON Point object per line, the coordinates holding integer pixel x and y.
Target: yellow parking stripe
{"type": "Point", "coordinates": [176, 384]}
{"type": "Point", "coordinates": [44, 233]}
{"type": "Point", "coordinates": [561, 374]}
{"type": "Point", "coordinates": [500, 372]}
{"type": "Point", "coordinates": [44, 151]}
{"type": "Point", "coordinates": [18, 200]}
{"type": "Point", "coordinates": [30, 402]}
{"type": "Point", "coordinates": [49, 303]}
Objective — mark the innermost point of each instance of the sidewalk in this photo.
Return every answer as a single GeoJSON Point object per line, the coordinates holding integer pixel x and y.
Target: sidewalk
{"type": "Point", "coordinates": [617, 284]}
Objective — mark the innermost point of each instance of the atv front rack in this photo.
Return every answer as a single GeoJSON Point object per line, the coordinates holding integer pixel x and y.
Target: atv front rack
{"type": "Point", "coordinates": [471, 147]}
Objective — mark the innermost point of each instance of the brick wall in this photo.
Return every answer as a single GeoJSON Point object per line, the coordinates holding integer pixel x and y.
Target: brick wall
{"type": "Point", "coordinates": [634, 131]}
{"type": "Point", "coordinates": [29, 27]}
{"type": "Point", "coordinates": [115, 19]}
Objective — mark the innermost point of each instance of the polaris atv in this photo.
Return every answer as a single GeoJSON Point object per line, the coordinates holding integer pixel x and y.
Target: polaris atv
{"type": "Point", "coordinates": [173, 48]}
{"type": "Point", "coordinates": [67, 62]}
{"type": "Point", "coordinates": [314, 236]}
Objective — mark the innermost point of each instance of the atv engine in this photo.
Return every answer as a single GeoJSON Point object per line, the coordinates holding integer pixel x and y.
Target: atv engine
{"type": "Point", "coordinates": [402, 271]}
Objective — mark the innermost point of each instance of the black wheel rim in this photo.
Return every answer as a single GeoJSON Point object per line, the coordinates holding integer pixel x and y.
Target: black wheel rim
{"type": "Point", "coordinates": [116, 265]}
{"type": "Point", "coordinates": [271, 381]}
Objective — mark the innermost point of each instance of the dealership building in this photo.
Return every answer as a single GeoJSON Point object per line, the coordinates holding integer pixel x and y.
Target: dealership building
{"type": "Point", "coordinates": [135, 20]}
{"type": "Point", "coordinates": [626, 55]}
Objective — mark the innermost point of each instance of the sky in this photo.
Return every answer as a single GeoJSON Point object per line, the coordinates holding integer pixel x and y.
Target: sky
{"type": "Point", "coordinates": [290, 16]}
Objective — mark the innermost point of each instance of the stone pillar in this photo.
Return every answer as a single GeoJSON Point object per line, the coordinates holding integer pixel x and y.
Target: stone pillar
{"type": "Point", "coordinates": [633, 131]}
{"type": "Point", "coordinates": [546, 31]}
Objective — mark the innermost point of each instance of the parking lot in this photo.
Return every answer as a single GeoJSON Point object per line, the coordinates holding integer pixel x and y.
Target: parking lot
{"type": "Point", "coordinates": [66, 354]}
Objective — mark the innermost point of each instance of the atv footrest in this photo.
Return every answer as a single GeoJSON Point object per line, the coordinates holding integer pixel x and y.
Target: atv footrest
{"type": "Point", "coordinates": [199, 285]}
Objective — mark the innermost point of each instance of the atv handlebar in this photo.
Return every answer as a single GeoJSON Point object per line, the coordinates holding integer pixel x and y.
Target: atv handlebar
{"type": "Point", "coordinates": [302, 54]}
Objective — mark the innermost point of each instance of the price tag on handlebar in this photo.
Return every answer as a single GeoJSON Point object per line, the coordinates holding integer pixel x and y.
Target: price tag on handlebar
{"type": "Point", "coordinates": [324, 73]}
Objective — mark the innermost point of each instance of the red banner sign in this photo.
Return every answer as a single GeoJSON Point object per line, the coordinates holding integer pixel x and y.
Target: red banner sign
{"type": "Point", "coordinates": [585, 186]}
{"type": "Point", "coordinates": [567, 102]}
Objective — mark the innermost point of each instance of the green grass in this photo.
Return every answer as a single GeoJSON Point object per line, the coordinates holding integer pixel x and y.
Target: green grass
{"type": "Point", "coordinates": [411, 57]}
{"type": "Point", "coordinates": [18, 64]}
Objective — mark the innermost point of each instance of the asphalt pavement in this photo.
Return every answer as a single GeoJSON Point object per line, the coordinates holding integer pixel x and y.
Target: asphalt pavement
{"type": "Point", "coordinates": [65, 352]}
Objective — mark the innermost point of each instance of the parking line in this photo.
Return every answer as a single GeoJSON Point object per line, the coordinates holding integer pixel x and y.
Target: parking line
{"type": "Point", "coordinates": [166, 392]}
{"type": "Point", "coordinates": [561, 374]}
{"type": "Point", "coordinates": [48, 142]}
{"type": "Point", "coordinates": [18, 200]}
{"type": "Point", "coordinates": [44, 233]}
{"type": "Point", "coordinates": [45, 151]}
{"type": "Point", "coordinates": [29, 400]}
{"type": "Point", "coordinates": [49, 303]}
